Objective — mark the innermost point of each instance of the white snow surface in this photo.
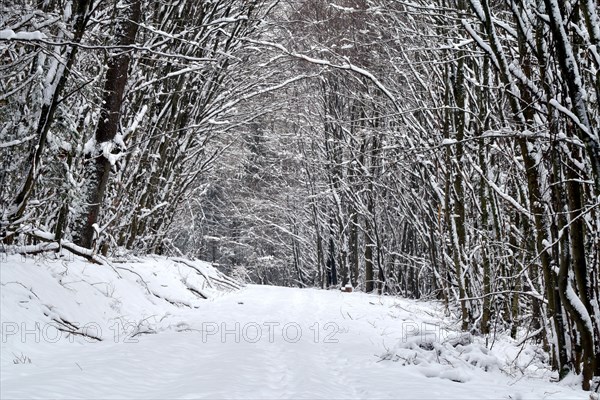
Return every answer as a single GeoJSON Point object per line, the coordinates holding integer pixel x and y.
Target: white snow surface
{"type": "Point", "coordinates": [162, 340]}
{"type": "Point", "coordinates": [9, 34]}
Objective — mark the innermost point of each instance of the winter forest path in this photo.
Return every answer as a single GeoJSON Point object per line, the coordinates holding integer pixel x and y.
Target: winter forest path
{"type": "Point", "coordinates": [264, 342]}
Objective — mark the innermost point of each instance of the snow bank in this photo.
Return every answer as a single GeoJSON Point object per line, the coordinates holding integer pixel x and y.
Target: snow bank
{"type": "Point", "coordinates": [431, 343]}
{"type": "Point", "coordinates": [49, 299]}
{"type": "Point", "coordinates": [276, 342]}
{"type": "Point", "coordinates": [453, 358]}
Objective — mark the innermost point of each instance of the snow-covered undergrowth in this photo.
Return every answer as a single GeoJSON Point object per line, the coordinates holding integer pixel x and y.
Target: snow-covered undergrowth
{"type": "Point", "coordinates": [171, 328]}
{"type": "Point", "coordinates": [46, 299]}
{"type": "Point", "coordinates": [450, 359]}
{"type": "Point", "coordinates": [432, 342]}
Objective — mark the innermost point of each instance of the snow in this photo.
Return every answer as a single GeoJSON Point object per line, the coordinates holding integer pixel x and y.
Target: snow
{"type": "Point", "coordinates": [567, 112]}
{"type": "Point", "coordinates": [68, 10]}
{"type": "Point", "coordinates": [345, 9]}
{"type": "Point", "coordinates": [228, 20]}
{"type": "Point", "coordinates": [107, 151]}
{"type": "Point", "coordinates": [9, 34]}
{"type": "Point", "coordinates": [119, 139]}
{"type": "Point", "coordinates": [579, 307]}
{"type": "Point", "coordinates": [448, 142]}
{"type": "Point", "coordinates": [17, 141]}
{"type": "Point", "coordinates": [160, 339]}
{"type": "Point", "coordinates": [89, 146]}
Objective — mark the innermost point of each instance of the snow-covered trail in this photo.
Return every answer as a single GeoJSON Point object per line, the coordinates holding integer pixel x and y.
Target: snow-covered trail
{"type": "Point", "coordinates": [312, 344]}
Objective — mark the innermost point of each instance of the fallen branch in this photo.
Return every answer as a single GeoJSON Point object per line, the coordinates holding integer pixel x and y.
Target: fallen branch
{"type": "Point", "coordinates": [197, 293]}
{"type": "Point", "coordinates": [68, 327]}
{"type": "Point", "coordinates": [53, 245]}
{"type": "Point", "coordinates": [223, 279]}
{"type": "Point", "coordinates": [188, 264]}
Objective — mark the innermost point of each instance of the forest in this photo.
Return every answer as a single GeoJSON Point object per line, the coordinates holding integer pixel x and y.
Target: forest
{"type": "Point", "coordinates": [430, 149]}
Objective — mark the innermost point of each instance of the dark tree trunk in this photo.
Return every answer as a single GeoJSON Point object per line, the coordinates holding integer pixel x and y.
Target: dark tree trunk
{"type": "Point", "coordinates": [114, 87]}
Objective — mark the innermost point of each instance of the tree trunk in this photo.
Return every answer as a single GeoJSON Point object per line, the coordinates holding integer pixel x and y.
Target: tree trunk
{"type": "Point", "coordinates": [108, 125]}
{"type": "Point", "coordinates": [80, 19]}
{"type": "Point", "coordinates": [581, 315]}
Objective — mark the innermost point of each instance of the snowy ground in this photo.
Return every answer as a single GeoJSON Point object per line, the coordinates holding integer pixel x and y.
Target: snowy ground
{"type": "Point", "coordinates": [160, 339]}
